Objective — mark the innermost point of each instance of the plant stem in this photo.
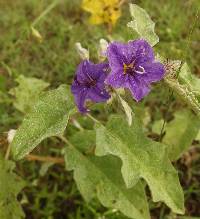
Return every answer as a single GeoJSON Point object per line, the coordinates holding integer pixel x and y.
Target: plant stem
{"type": "Point", "coordinates": [7, 152]}
{"type": "Point", "coordinates": [65, 140]}
{"type": "Point", "coordinates": [46, 11]}
{"type": "Point", "coordinates": [165, 115]}
{"type": "Point", "coordinates": [77, 124]}
{"type": "Point", "coordinates": [58, 160]}
{"type": "Point", "coordinates": [7, 68]}
{"type": "Point", "coordinates": [92, 118]}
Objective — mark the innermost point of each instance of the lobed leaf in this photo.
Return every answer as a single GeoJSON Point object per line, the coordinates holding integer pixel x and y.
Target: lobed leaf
{"type": "Point", "coordinates": [143, 24]}
{"type": "Point", "coordinates": [142, 158]}
{"type": "Point", "coordinates": [10, 186]}
{"type": "Point", "coordinates": [48, 117]}
{"type": "Point", "coordinates": [27, 92]}
{"type": "Point", "coordinates": [101, 178]}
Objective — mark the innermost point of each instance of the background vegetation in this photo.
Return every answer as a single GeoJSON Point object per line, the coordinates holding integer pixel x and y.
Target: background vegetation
{"type": "Point", "coordinates": [50, 192]}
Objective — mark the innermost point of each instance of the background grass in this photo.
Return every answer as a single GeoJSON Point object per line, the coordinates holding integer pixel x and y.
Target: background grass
{"type": "Point", "coordinates": [51, 192]}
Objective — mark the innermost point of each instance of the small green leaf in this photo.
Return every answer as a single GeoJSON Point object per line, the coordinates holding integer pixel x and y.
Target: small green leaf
{"type": "Point", "coordinates": [10, 186]}
{"type": "Point", "coordinates": [48, 118]}
{"type": "Point", "coordinates": [187, 87]}
{"type": "Point", "coordinates": [101, 178]}
{"type": "Point", "coordinates": [186, 77]}
{"type": "Point", "coordinates": [142, 158]}
{"type": "Point", "coordinates": [127, 109]}
{"type": "Point", "coordinates": [180, 132]}
{"type": "Point", "coordinates": [143, 24]}
{"type": "Point", "coordinates": [185, 94]}
{"type": "Point", "coordinates": [157, 126]}
{"type": "Point", "coordinates": [82, 52]}
{"type": "Point", "coordinates": [27, 92]}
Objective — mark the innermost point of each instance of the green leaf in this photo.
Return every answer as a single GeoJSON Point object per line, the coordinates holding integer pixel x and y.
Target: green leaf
{"type": "Point", "coordinates": [157, 126]}
{"type": "Point", "coordinates": [27, 92]}
{"type": "Point", "coordinates": [142, 158]}
{"type": "Point", "coordinates": [172, 216]}
{"type": "Point", "coordinates": [187, 87]}
{"type": "Point", "coordinates": [10, 186]}
{"type": "Point", "coordinates": [101, 178]}
{"type": "Point", "coordinates": [48, 117]}
{"type": "Point", "coordinates": [185, 217]}
{"type": "Point", "coordinates": [127, 109]}
{"type": "Point", "coordinates": [198, 136]}
{"type": "Point", "coordinates": [186, 77]}
{"type": "Point", "coordinates": [143, 24]}
{"type": "Point", "coordinates": [180, 132]}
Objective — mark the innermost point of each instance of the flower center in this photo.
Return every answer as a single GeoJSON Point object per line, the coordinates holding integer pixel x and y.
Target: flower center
{"type": "Point", "coordinates": [131, 69]}
{"type": "Point", "coordinates": [91, 83]}
{"type": "Point", "coordinates": [128, 68]}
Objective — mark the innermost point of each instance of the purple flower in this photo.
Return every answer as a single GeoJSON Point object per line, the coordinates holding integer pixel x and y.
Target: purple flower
{"type": "Point", "coordinates": [89, 84]}
{"type": "Point", "coordinates": [133, 66]}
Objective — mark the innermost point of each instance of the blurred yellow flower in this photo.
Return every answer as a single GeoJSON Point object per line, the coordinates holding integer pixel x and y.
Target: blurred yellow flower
{"type": "Point", "coordinates": [102, 11]}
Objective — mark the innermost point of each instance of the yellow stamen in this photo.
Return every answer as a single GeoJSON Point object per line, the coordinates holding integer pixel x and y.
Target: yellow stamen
{"type": "Point", "coordinates": [125, 67]}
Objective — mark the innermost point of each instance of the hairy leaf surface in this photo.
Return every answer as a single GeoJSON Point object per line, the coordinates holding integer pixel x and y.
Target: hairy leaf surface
{"type": "Point", "coordinates": [48, 118]}
{"type": "Point", "coordinates": [101, 178]}
{"type": "Point", "coordinates": [143, 24]}
{"type": "Point", "coordinates": [142, 158]}
{"type": "Point", "coordinates": [10, 186]}
{"type": "Point", "coordinates": [186, 77]}
{"type": "Point", "coordinates": [27, 92]}
{"type": "Point", "coordinates": [187, 87]}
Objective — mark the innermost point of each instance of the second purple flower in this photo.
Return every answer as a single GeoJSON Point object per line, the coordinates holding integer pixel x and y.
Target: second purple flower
{"type": "Point", "coordinates": [89, 84]}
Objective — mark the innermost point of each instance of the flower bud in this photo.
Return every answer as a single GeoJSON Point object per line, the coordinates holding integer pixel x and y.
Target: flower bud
{"type": "Point", "coordinates": [83, 53]}
{"type": "Point", "coordinates": [103, 45]}
{"type": "Point", "coordinates": [11, 135]}
{"type": "Point", "coordinates": [36, 34]}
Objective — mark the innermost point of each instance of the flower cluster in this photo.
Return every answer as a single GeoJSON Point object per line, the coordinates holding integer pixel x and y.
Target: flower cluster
{"type": "Point", "coordinates": [130, 66]}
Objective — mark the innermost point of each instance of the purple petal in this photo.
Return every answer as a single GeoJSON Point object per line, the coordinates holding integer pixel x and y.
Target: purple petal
{"type": "Point", "coordinates": [83, 70]}
{"type": "Point", "coordinates": [80, 94]}
{"type": "Point", "coordinates": [119, 53]}
{"type": "Point", "coordinates": [142, 51]}
{"type": "Point", "coordinates": [75, 87]}
{"type": "Point", "coordinates": [88, 71]}
{"type": "Point", "coordinates": [80, 99]}
{"type": "Point", "coordinates": [154, 72]}
{"type": "Point", "coordinates": [99, 71]}
{"type": "Point", "coordinates": [115, 55]}
{"type": "Point", "coordinates": [102, 79]}
{"type": "Point", "coordinates": [97, 95]}
{"type": "Point", "coordinates": [116, 79]}
{"type": "Point", "coordinates": [139, 89]}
